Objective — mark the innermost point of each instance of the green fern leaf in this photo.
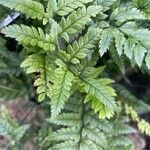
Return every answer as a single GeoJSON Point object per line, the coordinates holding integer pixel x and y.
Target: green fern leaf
{"type": "Point", "coordinates": [106, 3]}
{"type": "Point", "coordinates": [40, 64]}
{"type": "Point", "coordinates": [51, 8]}
{"type": "Point", "coordinates": [68, 145]}
{"type": "Point", "coordinates": [65, 134]}
{"type": "Point", "coordinates": [92, 72]}
{"type": "Point", "coordinates": [120, 142]}
{"type": "Point", "coordinates": [67, 6]}
{"type": "Point", "coordinates": [129, 46]}
{"type": "Point", "coordinates": [79, 50]}
{"type": "Point", "coordinates": [119, 42]}
{"type": "Point", "coordinates": [138, 40]}
{"type": "Point", "coordinates": [20, 131]}
{"type": "Point", "coordinates": [31, 8]}
{"type": "Point", "coordinates": [99, 107]}
{"type": "Point", "coordinates": [139, 53]}
{"type": "Point", "coordinates": [147, 60]}
{"type": "Point", "coordinates": [94, 135]}
{"type": "Point", "coordinates": [144, 127]}
{"type": "Point", "coordinates": [87, 144]}
{"type": "Point", "coordinates": [103, 93]}
{"type": "Point", "coordinates": [106, 39]}
{"type": "Point", "coordinates": [61, 89]}
{"type": "Point", "coordinates": [66, 119]}
{"type": "Point", "coordinates": [119, 61]}
{"type": "Point", "coordinates": [144, 6]}
{"type": "Point", "coordinates": [123, 14]}
{"type": "Point", "coordinates": [30, 35]}
{"type": "Point", "coordinates": [140, 35]}
{"type": "Point", "coordinates": [77, 20]}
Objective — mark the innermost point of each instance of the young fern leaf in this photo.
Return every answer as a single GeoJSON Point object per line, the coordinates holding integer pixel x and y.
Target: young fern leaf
{"type": "Point", "coordinates": [67, 6]}
{"type": "Point", "coordinates": [104, 93]}
{"type": "Point", "coordinates": [99, 107]}
{"type": "Point", "coordinates": [30, 35]}
{"type": "Point", "coordinates": [37, 63]}
{"type": "Point", "coordinates": [61, 90]}
{"type": "Point", "coordinates": [31, 8]}
{"type": "Point", "coordinates": [77, 20]}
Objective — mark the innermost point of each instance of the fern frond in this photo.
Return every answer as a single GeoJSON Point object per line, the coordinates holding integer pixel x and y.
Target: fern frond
{"type": "Point", "coordinates": [67, 119]}
{"type": "Point", "coordinates": [121, 143]}
{"type": "Point", "coordinates": [118, 60]}
{"type": "Point", "coordinates": [51, 8]}
{"type": "Point", "coordinates": [31, 8]}
{"type": "Point", "coordinates": [61, 89]}
{"type": "Point", "coordinates": [100, 108]}
{"type": "Point", "coordinates": [104, 93]}
{"type": "Point", "coordinates": [77, 20]}
{"type": "Point", "coordinates": [94, 135]}
{"type": "Point", "coordinates": [87, 69]}
{"type": "Point", "coordinates": [141, 38]}
{"type": "Point", "coordinates": [147, 60]}
{"type": "Point", "coordinates": [89, 132]}
{"type": "Point", "coordinates": [41, 64]}
{"type": "Point", "coordinates": [65, 134]}
{"type": "Point", "coordinates": [135, 46]}
{"type": "Point", "coordinates": [144, 6]}
{"type": "Point", "coordinates": [106, 3]}
{"type": "Point", "coordinates": [139, 54]}
{"type": "Point", "coordinates": [106, 39]}
{"type": "Point", "coordinates": [129, 46]}
{"type": "Point", "coordinates": [119, 42]}
{"type": "Point", "coordinates": [143, 125]}
{"type": "Point", "coordinates": [65, 146]}
{"type": "Point", "coordinates": [123, 14]}
{"type": "Point", "coordinates": [30, 35]}
{"type": "Point", "coordinates": [79, 50]}
{"type": "Point", "coordinates": [120, 129]}
{"type": "Point", "coordinates": [67, 6]}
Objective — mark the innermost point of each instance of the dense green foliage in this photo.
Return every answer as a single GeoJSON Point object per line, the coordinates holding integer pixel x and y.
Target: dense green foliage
{"type": "Point", "coordinates": [66, 46]}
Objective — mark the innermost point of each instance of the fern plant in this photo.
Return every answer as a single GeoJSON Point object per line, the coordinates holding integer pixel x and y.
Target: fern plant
{"type": "Point", "coordinates": [63, 51]}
